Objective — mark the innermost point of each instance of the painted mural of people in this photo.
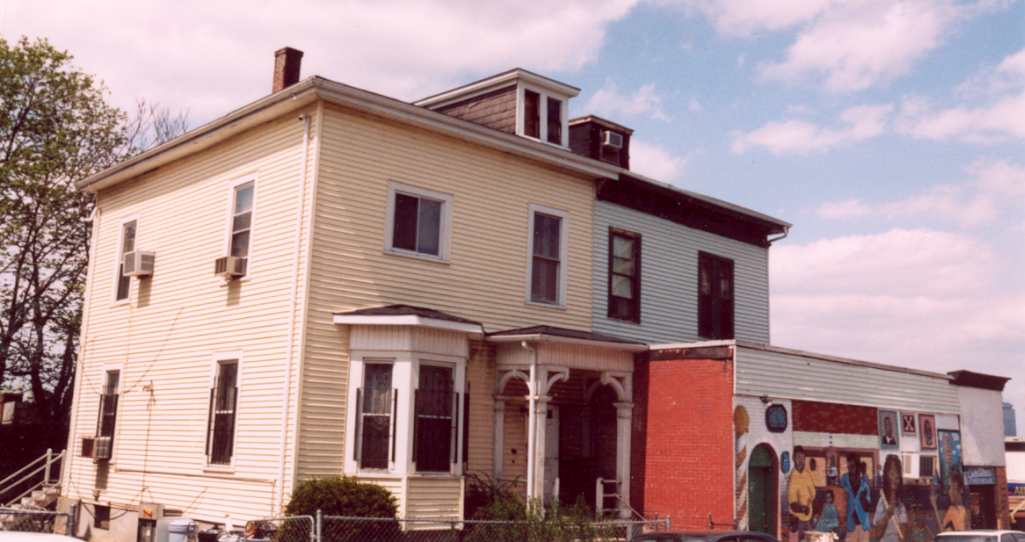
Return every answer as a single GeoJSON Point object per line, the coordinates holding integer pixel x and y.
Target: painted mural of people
{"type": "Point", "coordinates": [829, 519]}
{"type": "Point", "coordinates": [889, 435]}
{"type": "Point", "coordinates": [890, 522]}
{"type": "Point", "coordinates": [858, 495]}
{"type": "Point", "coordinates": [956, 517]}
{"type": "Point", "coordinates": [801, 493]}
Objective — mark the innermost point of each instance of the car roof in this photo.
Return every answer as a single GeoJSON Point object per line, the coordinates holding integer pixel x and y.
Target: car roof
{"type": "Point", "coordinates": [11, 536]}
{"type": "Point", "coordinates": [978, 532]}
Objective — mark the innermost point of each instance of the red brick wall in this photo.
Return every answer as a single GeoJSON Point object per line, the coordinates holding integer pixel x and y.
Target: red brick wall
{"type": "Point", "coordinates": [831, 418]}
{"type": "Point", "coordinates": [1001, 503]}
{"type": "Point", "coordinates": [682, 449]}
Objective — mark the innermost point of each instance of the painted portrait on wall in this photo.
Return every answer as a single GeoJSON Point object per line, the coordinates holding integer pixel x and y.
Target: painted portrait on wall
{"type": "Point", "coordinates": [927, 423]}
{"type": "Point", "coordinates": [950, 455]}
{"type": "Point", "coordinates": [888, 430]}
{"type": "Point", "coordinates": [907, 424]}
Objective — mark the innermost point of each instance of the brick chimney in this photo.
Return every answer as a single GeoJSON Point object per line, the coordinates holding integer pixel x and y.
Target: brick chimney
{"type": "Point", "coordinates": [287, 62]}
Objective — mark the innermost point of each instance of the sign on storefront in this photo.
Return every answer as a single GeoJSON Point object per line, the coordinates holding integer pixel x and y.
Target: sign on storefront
{"type": "Point", "coordinates": [1016, 490]}
{"type": "Point", "coordinates": [980, 476]}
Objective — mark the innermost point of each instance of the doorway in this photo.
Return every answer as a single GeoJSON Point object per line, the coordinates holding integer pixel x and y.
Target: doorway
{"type": "Point", "coordinates": [763, 490]}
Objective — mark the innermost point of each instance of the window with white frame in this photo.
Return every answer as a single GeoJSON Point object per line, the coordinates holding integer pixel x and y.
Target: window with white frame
{"type": "Point", "coordinates": [554, 120]}
{"type": "Point", "coordinates": [107, 419]}
{"type": "Point", "coordinates": [241, 220]}
{"type": "Point", "coordinates": [547, 256]}
{"type": "Point", "coordinates": [375, 403]}
{"type": "Point", "coordinates": [435, 416]}
{"type": "Point", "coordinates": [542, 116]}
{"type": "Point", "coordinates": [124, 283]}
{"type": "Point", "coordinates": [220, 440]}
{"type": "Point", "coordinates": [418, 221]}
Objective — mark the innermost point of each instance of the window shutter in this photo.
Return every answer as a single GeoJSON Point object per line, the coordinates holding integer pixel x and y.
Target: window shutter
{"type": "Point", "coordinates": [394, 420]}
{"type": "Point", "coordinates": [466, 424]}
{"type": "Point", "coordinates": [453, 455]}
{"type": "Point", "coordinates": [210, 422]}
{"type": "Point", "coordinates": [416, 421]}
{"type": "Point", "coordinates": [357, 441]}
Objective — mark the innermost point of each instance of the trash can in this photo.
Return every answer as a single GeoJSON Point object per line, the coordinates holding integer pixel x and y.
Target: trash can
{"type": "Point", "coordinates": [181, 530]}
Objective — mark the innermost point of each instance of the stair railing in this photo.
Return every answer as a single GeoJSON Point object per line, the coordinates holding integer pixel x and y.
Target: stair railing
{"type": "Point", "coordinates": [40, 465]}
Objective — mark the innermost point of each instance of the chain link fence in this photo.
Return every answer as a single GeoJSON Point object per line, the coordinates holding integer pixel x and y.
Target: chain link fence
{"type": "Point", "coordinates": [282, 529]}
{"type": "Point", "coordinates": [36, 521]}
{"type": "Point", "coordinates": [351, 529]}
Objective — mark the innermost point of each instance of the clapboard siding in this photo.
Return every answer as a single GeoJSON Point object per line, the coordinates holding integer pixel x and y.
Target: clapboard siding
{"type": "Point", "coordinates": [764, 372]}
{"type": "Point", "coordinates": [165, 338]}
{"type": "Point", "coordinates": [669, 278]}
{"type": "Point", "coordinates": [434, 498]}
{"type": "Point", "coordinates": [484, 279]}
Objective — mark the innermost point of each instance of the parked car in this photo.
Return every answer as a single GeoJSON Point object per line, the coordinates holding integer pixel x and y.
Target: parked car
{"type": "Point", "coordinates": [15, 536]}
{"type": "Point", "coordinates": [981, 536]}
{"type": "Point", "coordinates": [720, 536]}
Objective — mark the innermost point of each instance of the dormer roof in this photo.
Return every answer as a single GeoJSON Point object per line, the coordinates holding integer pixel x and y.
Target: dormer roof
{"type": "Point", "coordinates": [495, 82]}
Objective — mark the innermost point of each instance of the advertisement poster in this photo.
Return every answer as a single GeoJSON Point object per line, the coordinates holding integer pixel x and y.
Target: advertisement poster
{"type": "Point", "coordinates": [950, 455]}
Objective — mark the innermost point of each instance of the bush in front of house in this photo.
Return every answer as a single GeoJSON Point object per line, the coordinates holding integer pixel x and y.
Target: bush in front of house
{"type": "Point", "coordinates": [345, 496]}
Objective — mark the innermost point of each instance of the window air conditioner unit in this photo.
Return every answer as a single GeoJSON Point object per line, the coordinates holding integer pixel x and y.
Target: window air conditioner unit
{"type": "Point", "coordinates": [230, 267]}
{"type": "Point", "coordinates": [138, 263]}
{"type": "Point", "coordinates": [612, 139]}
{"type": "Point", "coordinates": [102, 449]}
{"type": "Point", "coordinates": [88, 446]}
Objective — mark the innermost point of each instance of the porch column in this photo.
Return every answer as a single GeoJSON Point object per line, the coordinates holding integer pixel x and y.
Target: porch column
{"type": "Point", "coordinates": [540, 447]}
{"type": "Point", "coordinates": [499, 451]}
{"type": "Point", "coordinates": [624, 425]}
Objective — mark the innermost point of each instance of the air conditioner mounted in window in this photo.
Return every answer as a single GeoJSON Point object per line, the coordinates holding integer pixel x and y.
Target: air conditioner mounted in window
{"type": "Point", "coordinates": [230, 267]}
{"type": "Point", "coordinates": [138, 263]}
{"type": "Point", "coordinates": [102, 449]}
{"type": "Point", "coordinates": [612, 139]}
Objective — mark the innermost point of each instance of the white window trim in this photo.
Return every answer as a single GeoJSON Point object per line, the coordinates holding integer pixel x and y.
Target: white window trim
{"type": "Point", "coordinates": [458, 386]}
{"type": "Point", "coordinates": [233, 185]}
{"type": "Point", "coordinates": [119, 255]}
{"type": "Point", "coordinates": [357, 380]}
{"type": "Point", "coordinates": [542, 113]}
{"type": "Point", "coordinates": [215, 363]}
{"type": "Point", "coordinates": [563, 254]}
{"type": "Point", "coordinates": [445, 229]}
{"type": "Point", "coordinates": [120, 368]}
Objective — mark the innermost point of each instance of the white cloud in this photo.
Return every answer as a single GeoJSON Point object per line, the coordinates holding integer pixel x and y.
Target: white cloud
{"type": "Point", "coordinates": [994, 186]}
{"type": "Point", "coordinates": [211, 57]}
{"type": "Point", "coordinates": [800, 137]}
{"type": "Point", "coordinates": [917, 297]}
{"type": "Point", "coordinates": [656, 161]}
{"type": "Point", "coordinates": [609, 101]}
{"type": "Point", "coordinates": [743, 17]}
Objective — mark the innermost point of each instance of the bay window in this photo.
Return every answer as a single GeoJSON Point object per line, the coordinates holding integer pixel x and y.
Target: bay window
{"type": "Point", "coordinates": [375, 402]}
{"type": "Point", "coordinates": [435, 418]}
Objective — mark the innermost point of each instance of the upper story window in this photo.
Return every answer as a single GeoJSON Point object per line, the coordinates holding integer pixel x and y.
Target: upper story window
{"type": "Point", "coordinates": [435, 418]}
{"type": "Point", "coordinates": [374, 416]}
{"type": "Point", "coordinates": [624, 276]}
{"type": "Point", "coordinates": [715, 296]}
{"type": "Point", "coordinates": [419, 222]}
{"type": "Point", "coordinates": [241, 220]}
{"type": "Point", "coordinates": [547, 256]}
{"type": "Point", "coordinates": [543, 116]}
{"type": "Point", "coordinates": [124, 283]}
{"type": "Point", "coordinates": [220, 443]}
{"type": "Point", "coordinates": [107, 419]}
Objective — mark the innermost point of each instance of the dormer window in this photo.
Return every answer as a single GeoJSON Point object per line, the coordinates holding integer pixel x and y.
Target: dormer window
{"type": "Point", "coordinates": [542, 115]}
{"type": "Point", "coordinates": [554, 121]}
{"type": "Point", "coordinates": [531, 114]}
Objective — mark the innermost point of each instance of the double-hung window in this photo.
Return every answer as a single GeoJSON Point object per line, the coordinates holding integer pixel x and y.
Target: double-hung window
{"type": "Point", "coordinates": [241, 220]}
{"type": "Point", "coordinates": [531, 114]}
{"type": "Point", "coordinates": [624, 276]}
{"type": "Point", "coordinates": [436, 408]}
{"type": "Point", "coordinates": [547, 257]}
{"type": "Point", "coordinates": [220, 440]}
{"type": "Point", "coordinates": [374, 417]}
{"type": "Point", "coordinates": [554, 121]}
{"type": "Point", "coordinates": [715, 296]}
{"type": "Point", "coordinates": [419, 222]}
{"type": "Point", "coordinates": [124, 283]}
{"type": "Point", "coordinates": [107, 418]}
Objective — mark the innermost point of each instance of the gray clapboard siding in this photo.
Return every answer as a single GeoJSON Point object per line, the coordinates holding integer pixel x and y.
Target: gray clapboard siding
{"type": "Point", "coordinates": [781, 374]}
{"type": "Point", "coordinates": [669, 278]}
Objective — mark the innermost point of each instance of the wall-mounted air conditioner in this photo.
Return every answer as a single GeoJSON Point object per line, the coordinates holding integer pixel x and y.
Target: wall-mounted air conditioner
{"type": "Point", "coordinates": [230, 267]}
{"type": "Point", "coordinates": [612, 139]}
{"type": "Point", "coordinates": [138, 263]}
{"type": "Point", "coordinates": [102, 449]}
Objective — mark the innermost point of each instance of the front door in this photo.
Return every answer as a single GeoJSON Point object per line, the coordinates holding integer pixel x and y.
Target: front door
{"type": "Point", "coordinates": [761, 497]}
{"type": "Point", "coordinates": [551, 453]}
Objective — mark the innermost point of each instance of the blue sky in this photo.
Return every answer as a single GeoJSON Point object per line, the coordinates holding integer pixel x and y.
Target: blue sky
{"type": "Point", "coordinates": [891, 133]}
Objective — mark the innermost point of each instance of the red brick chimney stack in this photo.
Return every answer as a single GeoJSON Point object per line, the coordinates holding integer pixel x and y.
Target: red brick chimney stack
{"type": "Point", "coordinates": [287, 62]}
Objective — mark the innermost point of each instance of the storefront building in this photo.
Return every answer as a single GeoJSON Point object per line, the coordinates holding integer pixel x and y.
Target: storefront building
{"type": "Point", "coordinates": [810, 437]}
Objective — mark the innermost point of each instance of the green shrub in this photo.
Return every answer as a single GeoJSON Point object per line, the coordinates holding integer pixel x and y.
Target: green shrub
{"type": "Point", "coordinates": [340, 496]}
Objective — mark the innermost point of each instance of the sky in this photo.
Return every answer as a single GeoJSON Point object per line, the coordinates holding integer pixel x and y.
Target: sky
{"type": "Point", "coordinates": [890, 133]}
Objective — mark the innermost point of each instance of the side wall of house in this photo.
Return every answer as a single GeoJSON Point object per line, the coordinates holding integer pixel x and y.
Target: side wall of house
{"type": "Point", "coordinates": [167, 337]}
{"type": "Point", "coordinates": [669, 278]}
{"type": "Point", "coordinates": [484, 279]}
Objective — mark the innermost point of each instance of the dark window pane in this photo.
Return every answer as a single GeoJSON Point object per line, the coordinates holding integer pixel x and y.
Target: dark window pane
{"type": "Point", "coordinates": [124, 284]}
{"type": "Point", "coordinates": [546, 235]}
{"type": "Point", "coordinates": [222, 441]}
{"type": "Point", "coordinates": [434, 417]}
{"type": "Point", "coordinates": [240, 244]}
{"type": "Point", "coordinates": [376, 414]}
{"type": "Point", "coordinates": [429, 234]}
{"type": "Point", "coordinates": [241, 222]}
{"type": "Point", "coordinates": [404, 233]}
{"type": "Point", "coordinates": [554, 121]}
{"type": "Point", "coordinates": [544, 281]}
{"type": "Point", "coordinates": [715, 297]}
{"type": "Point", "coordinates": [376, 432]}
{"type": "Point", "coordinates": [531, 113]}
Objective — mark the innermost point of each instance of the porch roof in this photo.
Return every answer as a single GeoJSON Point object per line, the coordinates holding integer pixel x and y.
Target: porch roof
{"type": "Point", "coordinates": [545, 333]}
{"type": "Point", "coordinates": [407, 315]}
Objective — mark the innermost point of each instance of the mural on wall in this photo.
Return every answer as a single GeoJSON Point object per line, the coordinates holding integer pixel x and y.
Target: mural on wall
{"type": "Point", "coordinates": [888, 430]}
{"type": "Point", "coordinates": [950, 456]}
{"type": "Point", "coordinates": [907, 424]}
{"type": "Point", "coordinates": [741, 427]}
{"type": "Point", "coordinates": [928, 423]}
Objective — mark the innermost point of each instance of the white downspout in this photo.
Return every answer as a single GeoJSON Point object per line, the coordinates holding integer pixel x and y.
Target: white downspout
{"type": "Point", "coordinates": [531, 421]}
{"type": "Point", "coordinates": [277, 501]}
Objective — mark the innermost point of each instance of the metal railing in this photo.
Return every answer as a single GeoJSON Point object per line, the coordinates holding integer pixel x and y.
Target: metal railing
{"type": "Point", "coordinates": [36, 521]}
{"type": "Point", "coordinates": [42, 465]}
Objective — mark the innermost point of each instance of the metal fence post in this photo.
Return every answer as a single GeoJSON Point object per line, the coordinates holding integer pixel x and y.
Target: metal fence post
{"type": "Point", "coordinates": [317, 535]}
{"type": "Point", "coordinates": [46, 468]}
{"type": "Point", "coordinates": [72, 514]}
